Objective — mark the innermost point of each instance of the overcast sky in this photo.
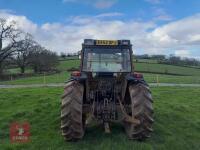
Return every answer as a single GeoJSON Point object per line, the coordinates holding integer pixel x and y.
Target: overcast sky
{"type": "Point", "coordinates": [153, 26]}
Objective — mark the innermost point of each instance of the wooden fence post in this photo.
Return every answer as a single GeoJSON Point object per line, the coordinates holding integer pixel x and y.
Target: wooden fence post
{"type": "Point", "coordinates": [157, 80]}
{"type": "Point", "coordinates": [44, 79]}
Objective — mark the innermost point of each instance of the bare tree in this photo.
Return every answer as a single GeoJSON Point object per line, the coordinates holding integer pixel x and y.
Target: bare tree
{"type": "Point", "coordinates": [42, 60]}
{"type": "Point", "coordinates": [23, 49]}
{"type": "Point", "coordinates": [63, 55]}
{"type": "Point", "coordinates": [8, 34]}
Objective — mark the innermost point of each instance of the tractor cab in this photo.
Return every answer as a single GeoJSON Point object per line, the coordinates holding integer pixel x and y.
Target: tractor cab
{"type": "Point", "coordinates": [106, 56]}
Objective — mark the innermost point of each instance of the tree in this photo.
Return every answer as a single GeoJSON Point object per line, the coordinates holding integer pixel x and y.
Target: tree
{"type": "Point", "coordinates": [8, 34]}
{"type": "Point", "coordinates": [63, 55]}
{"type": "Point", "coordinates": [175, 60]}
{"type": "Point", "coordinates": [24, 47]}
{"type": "Point", "coordinates": [158, 57]}
{"type": "Point", "coordinates": [144, 56]}
{"type": "Point", "coordinates": [42, 60]}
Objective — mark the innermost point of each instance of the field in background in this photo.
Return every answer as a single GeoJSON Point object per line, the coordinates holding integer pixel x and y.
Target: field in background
{"type": "Point", "coordinates": [176, 126]}
{"type": "Point", "coordinates": [153, 72]}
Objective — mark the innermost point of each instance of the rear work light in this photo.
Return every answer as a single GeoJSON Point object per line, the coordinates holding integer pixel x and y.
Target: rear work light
{"type": "Point", "coordinates": [137, 75]}
{"type": "Point", "coordinates": [125, 42]}
{"type": "Point", "coordinates": [76, 74]}
{"type": "Point", "coordinates": [89, 42]}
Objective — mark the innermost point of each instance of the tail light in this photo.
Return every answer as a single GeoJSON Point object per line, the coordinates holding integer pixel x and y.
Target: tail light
{"type": "Point", "coordinates": [76, 74]}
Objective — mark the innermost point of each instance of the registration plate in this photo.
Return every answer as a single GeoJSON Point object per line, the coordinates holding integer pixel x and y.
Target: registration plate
{"type": "Point", "coordinates": [106, 42]}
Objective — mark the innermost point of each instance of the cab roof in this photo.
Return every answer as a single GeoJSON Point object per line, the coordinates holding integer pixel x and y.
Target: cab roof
{"type": "Point", "coordinates": [94, 42]}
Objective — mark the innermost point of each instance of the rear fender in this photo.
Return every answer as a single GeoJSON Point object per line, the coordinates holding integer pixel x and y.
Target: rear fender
{"type": "Point", "coordinates": [135, 77]}
{"type": "Point", "coordinates": [77, 76]}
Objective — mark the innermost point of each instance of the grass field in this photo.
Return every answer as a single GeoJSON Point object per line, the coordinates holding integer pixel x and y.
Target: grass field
{"type": "Point", "coordinates": [167, 69]}
{"type": "Point", "coordinates": [186, 75]}
{"type": "Point", "coordinates": [176, 127]}
{"type": "Point", "coordinates": [63, 76]}
{"type": "Point", "coordinates": [17, 70]}
{"type": "Point", "coordinates": [146, 60]}
{"type": "Point", "coordinates": [143, 67]}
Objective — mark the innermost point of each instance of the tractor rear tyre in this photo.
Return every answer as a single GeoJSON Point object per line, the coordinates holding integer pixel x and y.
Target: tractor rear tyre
{"type": "Point", "coordinates": [72, 119]}
{"type": "Point", "coordinates": [141, 109]}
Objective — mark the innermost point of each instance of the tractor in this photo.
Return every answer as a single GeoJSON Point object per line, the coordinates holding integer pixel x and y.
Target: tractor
{"type": "Point", "coordinates": [106, 89]}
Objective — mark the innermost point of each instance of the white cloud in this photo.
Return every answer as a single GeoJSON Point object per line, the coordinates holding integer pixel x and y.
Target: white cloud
{"type": "Point", "coordinates": [145, 36]}
{"type": "Point", "coordinates": [164, 17]}
{"type": "Point", "coordinates": [182, 32]}
{"type": "Point", "coordinates": [22, 21]}
{"type": "Point", "coordinates": [182, 53]}
{"type": "Point", "coordinates": [90, 19]}
{"type": "Point", "coordinates": [114, 14]}
{"type": "Point", "coordinates": [161, 14]}
{"type": "Point", "coordinates": [6, 11]}
{"type": "Point", "coordinates": [100, 4]}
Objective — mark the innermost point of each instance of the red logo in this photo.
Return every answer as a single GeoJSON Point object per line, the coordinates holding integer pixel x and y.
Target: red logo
{"type": "Point", "coordinates": [20, 132]}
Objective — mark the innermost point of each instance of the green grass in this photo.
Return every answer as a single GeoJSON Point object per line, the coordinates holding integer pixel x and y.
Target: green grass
{"type": "Point", "coordinates": [191, 75]}
{"type": "Point", "coordinates": [17, 70]}
{"type": "Point", "coordinates": [64, 65]}
{"type": "Point", "coordinates": [63, 76]}
{"type": "Point", "coordinates": [162, 78]}
{"type": "Point", "coordinates": [146, 67]}
{"type": "Point", "coordinates": [68, 58]}
{"type": "Point", "coordinates": [146, 60]}
{"type": "Point", "coordinates": [55, 78]}
{"type": "Point", "coordinates": [43, 79]}
{"type": "Point", "coordinates": [167, 69]}
{"type": "Point", "coordinates": [177, 122]}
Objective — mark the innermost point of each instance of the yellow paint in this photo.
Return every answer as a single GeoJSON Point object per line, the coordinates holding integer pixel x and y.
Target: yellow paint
{"type": "Point", "coordinates": [106, 42]}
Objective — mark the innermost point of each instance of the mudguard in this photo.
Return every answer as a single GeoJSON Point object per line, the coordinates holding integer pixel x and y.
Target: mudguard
{"type": "Point", "coordinates": [134, 78]}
